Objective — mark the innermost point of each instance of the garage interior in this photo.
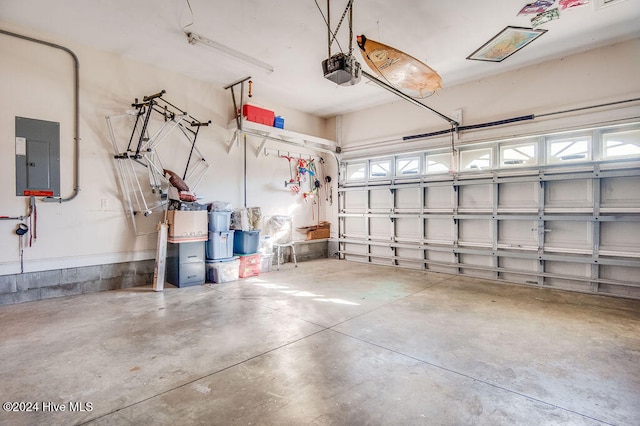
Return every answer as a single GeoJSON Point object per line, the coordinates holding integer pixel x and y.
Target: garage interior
{"type": "Point", "coordinates": [461, 248]}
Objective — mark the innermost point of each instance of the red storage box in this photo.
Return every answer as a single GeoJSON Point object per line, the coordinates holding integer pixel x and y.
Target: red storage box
{"type": "Point", "coordinates": [258, 115]}
{"type": "Point", "coordinates": [250, 265]}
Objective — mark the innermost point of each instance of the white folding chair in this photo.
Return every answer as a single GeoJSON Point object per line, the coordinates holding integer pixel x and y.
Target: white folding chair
{"type": "Point", "coordinates": [282, 229]}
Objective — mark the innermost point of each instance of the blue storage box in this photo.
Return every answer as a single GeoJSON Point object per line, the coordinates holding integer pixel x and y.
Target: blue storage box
{"type": "Point", "coordinates": [219, 221]}
{"type": "Point", "coordinates": [246, 242]}
{"type": "Point", "coordinates": [220, 245]}
{"type": "Point", "coordinates": [278, 122]}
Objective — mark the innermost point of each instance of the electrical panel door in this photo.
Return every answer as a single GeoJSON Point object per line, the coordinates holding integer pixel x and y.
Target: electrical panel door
{"type": "Point", "coordinates": [37, 157]}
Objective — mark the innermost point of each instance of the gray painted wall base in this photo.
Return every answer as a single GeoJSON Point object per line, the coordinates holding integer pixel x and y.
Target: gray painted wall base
{"type": "Point", "coordinates": [32, 286]}
{"type": "Point", "coordinates": [305, 250]}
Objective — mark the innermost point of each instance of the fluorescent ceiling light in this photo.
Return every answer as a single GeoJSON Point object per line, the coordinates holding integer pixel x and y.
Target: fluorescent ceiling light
{"type": "Point", "coordinates": [195, 38]}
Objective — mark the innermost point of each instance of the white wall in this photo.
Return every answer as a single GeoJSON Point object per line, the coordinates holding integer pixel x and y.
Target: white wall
{"type": "Point", "coordinates": [598, 76]}
{"type": "Point", "coordinates": [37, 82]}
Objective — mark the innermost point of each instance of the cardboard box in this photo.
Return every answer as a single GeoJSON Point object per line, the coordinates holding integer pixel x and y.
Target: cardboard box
{"type": "Point", "coordinates": [318, 233]}
{"type": "Point", "coordinates": [188, 226]}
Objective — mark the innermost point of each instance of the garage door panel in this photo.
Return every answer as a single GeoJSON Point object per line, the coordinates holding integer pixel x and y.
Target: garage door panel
{"type": "Point", "coordinates": [380, 228]}
{"type": "Point", "coordinates": [620, 238]}
{"type": "Point", "coordinates": [355, 226]}
{"type": "Point", "coordinates": [408, 228]}
{"type": "Point", "coordinates": [381, 251]}
{"type": "Point", "coordinates": [381, 200]}
{"type": "Point", "coordinates": [441, 257]}
{"type": "Point", "coordinates": [355, 200]}
{"type": "Point", "coordinates": [620, 193]}
{"type": "Point", "coordinates": [408, 253]}
{"type": "Point", "coordinates": [516, 264]}
{"type": "Point", "coordinates": [475, 232]}
{"type": "Point", "coordinates": [410, 258]}
{"type": "Point", "coordinates": [568, 269]}
{"type": "Point", "coordinates": [408, 199]}
{"type": "Point", "coordinates": [567, 284]}
{"type": "Point", "coordinates": [439, 230]}
{"type": "Point", "coordinates": [619, 290]}
{"type": "Point", "coordinates": [356, 252]}
{"type": "Point", "coordinates": [476, 198]}
{"type": "Point", "coordinates": [621, 273]}
{"type": "Point", "coordinates": [569, 195]}
{"type": "Point", "coordinates": [517, 234]}
{"type": "Point", "coordinates": [439, 198]}
{"type": "Point", "coordinates": [567, 235]}
{"type": "Point", "coordinates": [381, 255]}
{"type": "Point", "coordinates": [518, 196]}
{"type": "Point", "coordinates": [476, 260]}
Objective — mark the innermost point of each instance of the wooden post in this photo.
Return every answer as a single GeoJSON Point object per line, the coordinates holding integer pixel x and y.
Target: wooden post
{"type": "Point", "coordinates": [161, 257]}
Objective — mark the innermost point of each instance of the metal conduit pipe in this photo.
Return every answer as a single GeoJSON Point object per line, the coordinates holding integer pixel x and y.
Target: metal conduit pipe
{"type": "Point", "coordinates": [76, 124]}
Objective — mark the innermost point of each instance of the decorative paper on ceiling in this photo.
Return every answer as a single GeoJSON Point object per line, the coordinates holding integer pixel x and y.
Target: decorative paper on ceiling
{"type": "Point", "coordinates": [567, 4]}
{"type": "Point", "coordinates": [536, 8]}
{"type": "Point", "coordinates": [548, 10]}
{"type": "Point", "coordinates": [546, 16]}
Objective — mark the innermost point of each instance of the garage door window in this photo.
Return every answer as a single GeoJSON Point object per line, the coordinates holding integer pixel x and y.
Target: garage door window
{"type": "Point", "coordinates": [515, 155]}
{"type": "Point", "coordinates": [438, 163]}
{"type": "Point", "coordinates": [408, 166]}
{"type": "Point", "coordinates": [356, 171]}
{"type": "Point", "coordinates": [568, 150]}
{"type": "Point", "coordinates": [380, 169]}
{"type": "Point", "coordinates": [621, 144]}
{"type": "Point", "coordinates": [475, 159]}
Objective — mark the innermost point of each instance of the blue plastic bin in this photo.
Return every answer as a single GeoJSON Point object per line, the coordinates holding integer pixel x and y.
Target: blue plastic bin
{"type": "Point", "coordinates": [246, 242]}
{"type": "Point", "coordinates": [220, 245]}
{"type": "Point", "coordinates": [219, 221]}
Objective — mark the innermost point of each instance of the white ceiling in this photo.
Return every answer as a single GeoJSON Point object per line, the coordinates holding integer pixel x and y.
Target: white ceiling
{"type": "Point", "coordinates": [291, 35]}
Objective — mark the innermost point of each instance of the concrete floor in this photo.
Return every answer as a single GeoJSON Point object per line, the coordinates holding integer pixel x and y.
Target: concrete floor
{"type": "Point", "coordinates": [329, 343]}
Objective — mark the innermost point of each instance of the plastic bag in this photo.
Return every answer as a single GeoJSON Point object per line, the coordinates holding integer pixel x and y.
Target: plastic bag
{"type": "Point", "coordinates": [254, 215]}
{"type": "Point", "coordinates": [280, 228]}
{"type": "Point", "coordinates": [221, 206]}
{"type": "Point", "coordinates": [239, 220]}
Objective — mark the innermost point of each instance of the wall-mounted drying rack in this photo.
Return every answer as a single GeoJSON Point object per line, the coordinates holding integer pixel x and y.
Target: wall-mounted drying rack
{"type": "Point", "coordinates": [135, 141]}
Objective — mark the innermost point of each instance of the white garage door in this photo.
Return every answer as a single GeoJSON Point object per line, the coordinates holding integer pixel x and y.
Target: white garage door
{"type": "Point", "coordinates": [555, 211]}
